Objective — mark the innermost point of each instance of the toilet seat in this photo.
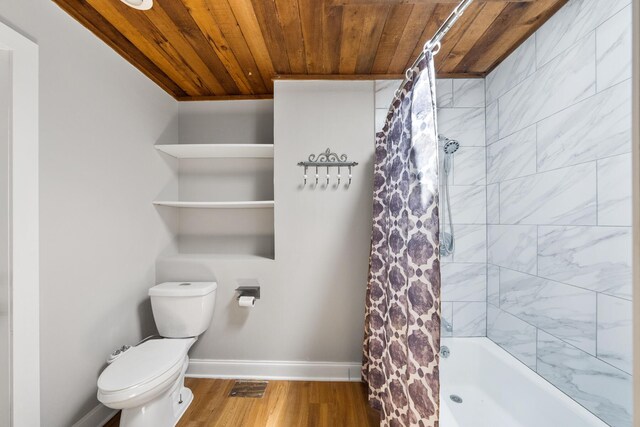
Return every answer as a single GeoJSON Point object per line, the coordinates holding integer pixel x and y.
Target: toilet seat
{"type": "Point", "coordinates": [143, 372]}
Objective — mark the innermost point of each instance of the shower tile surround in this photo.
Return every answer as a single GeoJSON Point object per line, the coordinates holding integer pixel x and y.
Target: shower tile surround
{"type": "Point", "coordinates": [461, 116]}
{"type": "Point", "coordinates": [545, 258]}
{"type": "Point", "coordinates": [558, 191]}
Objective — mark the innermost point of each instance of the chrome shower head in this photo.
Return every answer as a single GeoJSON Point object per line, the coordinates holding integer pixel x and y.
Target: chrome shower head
{"type": "Point", "coordinates": [449, 146]}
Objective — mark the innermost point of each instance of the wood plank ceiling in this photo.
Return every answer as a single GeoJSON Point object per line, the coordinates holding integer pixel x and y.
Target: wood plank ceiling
{"type": "Point", "coordinates": [220, 49]}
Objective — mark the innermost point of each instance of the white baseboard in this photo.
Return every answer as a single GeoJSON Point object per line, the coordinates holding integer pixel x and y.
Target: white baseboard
{"type": "Point", "coordinates": [274, 370]}
{"type": "Point", "coordinates": [97, 417]}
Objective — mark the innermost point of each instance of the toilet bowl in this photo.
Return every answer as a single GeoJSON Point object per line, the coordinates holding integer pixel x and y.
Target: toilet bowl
{"type": "Point", "coordinates": [147, 381]}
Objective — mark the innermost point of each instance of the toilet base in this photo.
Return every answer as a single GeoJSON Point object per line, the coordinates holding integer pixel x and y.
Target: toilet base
{"type": "Point", "coordinates": [163, 411]}
{"type": "Point", "coordinates": [181, 408]}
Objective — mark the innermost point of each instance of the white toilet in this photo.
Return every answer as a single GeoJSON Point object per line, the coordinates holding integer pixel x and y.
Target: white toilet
{"type": "Point", "coordinates": [147, 381]}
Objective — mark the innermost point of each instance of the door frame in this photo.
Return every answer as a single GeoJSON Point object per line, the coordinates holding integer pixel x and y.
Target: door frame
{"type": "Point", "coordinates": [635, 150]}
{"type": "Point", "coordinates": [24, 307]}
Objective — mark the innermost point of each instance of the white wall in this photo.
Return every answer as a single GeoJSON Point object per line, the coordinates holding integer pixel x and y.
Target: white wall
{"type": "Point", "coordinates": [228, 122]}
{"type": "Point", "coordinates": [100, 234]}
{"type": "Point", "coordinates": [5, 338]}
{"type": "Point", "coordinates": [635, 56]}
{"type": "Point", "coordinates": [559, 205]}
{"type": "Point", "coordinates": [323, 235]}
{"type": "Point", "coordinates": [312, 305]}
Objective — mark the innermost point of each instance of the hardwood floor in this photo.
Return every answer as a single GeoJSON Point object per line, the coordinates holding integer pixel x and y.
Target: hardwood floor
{"type": "Point", "coordinates": [285, 404]}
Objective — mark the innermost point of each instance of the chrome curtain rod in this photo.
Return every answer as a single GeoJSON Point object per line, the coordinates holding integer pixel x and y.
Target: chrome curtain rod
{"type": "Point", "coordinates": [437, 37]}
{"type": "Point", "coordinates": [446, 26]}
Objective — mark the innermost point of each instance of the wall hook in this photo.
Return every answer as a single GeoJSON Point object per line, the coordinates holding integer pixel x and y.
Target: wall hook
{"type": "Point", "coordinates": [350, 176]}
{"type": "Point", "coordinates": [327, 159]}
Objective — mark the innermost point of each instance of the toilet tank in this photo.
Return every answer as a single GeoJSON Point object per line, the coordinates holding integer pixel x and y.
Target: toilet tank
{"type": "Point", "coordinates": [183, 309]}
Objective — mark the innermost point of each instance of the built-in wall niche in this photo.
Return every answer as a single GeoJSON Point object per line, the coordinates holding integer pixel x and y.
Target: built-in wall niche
{"type": "Point", "coordinates": [225, 199]}
{"type": "Point", "coordinates": [239, 232]}
{"type": "Point", "coordinates": [226, 179]}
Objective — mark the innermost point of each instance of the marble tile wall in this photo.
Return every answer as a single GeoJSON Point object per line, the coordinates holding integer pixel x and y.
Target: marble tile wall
{"type": "Point", "coordinates": [558, 135]}
{"type": "Point", "coordinates": [461, 116]}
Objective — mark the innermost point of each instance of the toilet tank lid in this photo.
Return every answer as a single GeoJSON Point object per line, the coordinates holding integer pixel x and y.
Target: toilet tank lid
{"type": "Point", "coordinates": [183, 289]}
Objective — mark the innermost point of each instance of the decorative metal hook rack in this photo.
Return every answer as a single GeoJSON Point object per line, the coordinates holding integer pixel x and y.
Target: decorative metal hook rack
{"type": "Point", "coordinates": [328, 159]}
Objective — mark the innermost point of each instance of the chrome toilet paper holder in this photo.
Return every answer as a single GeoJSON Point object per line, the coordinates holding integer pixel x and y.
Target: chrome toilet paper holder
{"type": "Point", "coordinates": [248, 291]}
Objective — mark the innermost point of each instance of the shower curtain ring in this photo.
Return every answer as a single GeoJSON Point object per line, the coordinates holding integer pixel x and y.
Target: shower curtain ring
{"type": "Point", "coordinates": [435, 48]}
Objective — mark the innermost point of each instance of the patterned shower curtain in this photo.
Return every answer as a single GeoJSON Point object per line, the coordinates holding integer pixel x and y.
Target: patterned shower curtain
{"type": "Point", "coordinates": [402, 324]}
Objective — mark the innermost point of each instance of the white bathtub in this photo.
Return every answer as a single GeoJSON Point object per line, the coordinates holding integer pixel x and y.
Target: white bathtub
{"type": "Point", "coordinates": [499, 391]}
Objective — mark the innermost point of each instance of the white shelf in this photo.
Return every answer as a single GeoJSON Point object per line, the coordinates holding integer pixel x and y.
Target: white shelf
{"type": "Point", "coordinates": [218, 205]}
{"type": "Point", "coordinates": [210, 151]}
